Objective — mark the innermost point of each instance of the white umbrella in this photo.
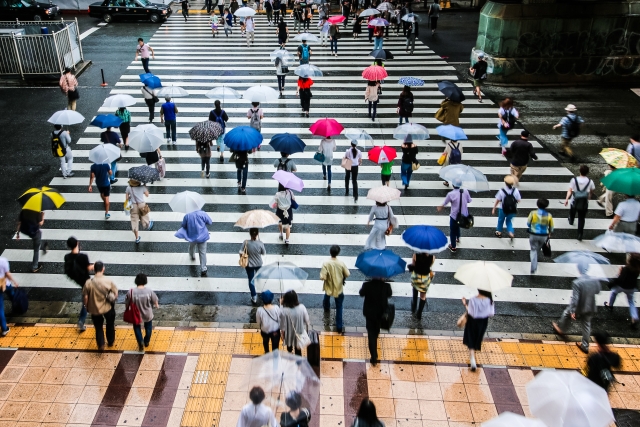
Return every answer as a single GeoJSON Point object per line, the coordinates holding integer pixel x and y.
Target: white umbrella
{"type": "Point", "coordinates": [568, 399]}
{"type": "Point", "coordinates": [280, 277]}
{"type": "Point", "coordinates": [383, 194]}
{"type": "Point", "coordinates": [369, 12]}
{"type": "Point", "coordinates": [104, 153]}
{"type": "Point", "coordinates": [466, 177]}
{"type": "Point", "coordinates": [509, 419]}
{"type": "Point", "coordinates": [66, 117]}
{"type": "Point", "coordinates": [283, 54]}
{"type": "Point", "coordinates": [146, 138]}
{"type": "Point", "coordinates": [223, 92]}
{"type": "Point", "coordinates": [618, 242]}
{"type": "Point", "coordinates": [483, 275]}
{"type": "Point", "coordinates": [385, 6]}
{"type": "Point", "coordinates": [172, 91]}
{"type": "Point", "coordinates": [245, 11]}
{"type": "Point", "coordinates": [306, 36]}
{"type": "Point", "coordinates": [187, 202]}
{"type": "Point", "coordinates": [119, 101]}
{"type": "Point", "coordinates": [261, 93]}
{"type": "Point", "coordinates": [410, 17]}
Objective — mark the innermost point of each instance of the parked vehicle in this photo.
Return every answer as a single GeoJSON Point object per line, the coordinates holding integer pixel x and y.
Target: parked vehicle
{"type": "Point", "coordinates": [110, 10]}
{"type": "Point", "coordinates": [27, 10]}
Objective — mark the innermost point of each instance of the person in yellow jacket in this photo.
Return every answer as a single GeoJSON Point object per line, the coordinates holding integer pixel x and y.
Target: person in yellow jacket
{"type": "Point", "coordinates": [333, 274]}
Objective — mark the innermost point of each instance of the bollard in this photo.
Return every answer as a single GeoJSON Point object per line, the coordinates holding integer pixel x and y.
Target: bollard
{"type": "Point", "coordinates": [103, 82]}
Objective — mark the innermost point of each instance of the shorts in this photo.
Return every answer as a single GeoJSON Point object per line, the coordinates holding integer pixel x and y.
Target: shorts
{"type": "Point", "coordinates": [285, 221]}
{"type": "Point", "coordinates": [477, 83]}
{"type": "Point", "coordinates": [385, 178]}
{"type": "Point", "coordinates": [105, 191]}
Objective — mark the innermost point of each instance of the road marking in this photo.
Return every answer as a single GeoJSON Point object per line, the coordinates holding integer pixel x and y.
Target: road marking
{"type": "Point", "coordinates": [88, 32]}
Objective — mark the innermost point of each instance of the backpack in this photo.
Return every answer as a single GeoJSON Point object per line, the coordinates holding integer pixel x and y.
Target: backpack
{"type": "Point", "coordinates": [57, 148]}
{"type": "Point", "coordinates": [455, 157]}
{"type": "Point", "coordinates": [573, 128]}
{"type": "Point", "coordinates": [509, 203]}
{"type": "Point", "coordinates": [255, 119]}
{"type": "Point", "coordinates": [219, 119]}
{"type": "Point", "coordinates": [581, 197]}
{"type": "Point", "coordinates": [203, 147]}
{"type": "Point", "coordinates": [19, 300]}
{"type": "Point", "coordinates": [276, 4]}
{"type": "Point", "coordinates": [74, 272]}
{"type": "Point", "coordinates": [509, 118]}
{"type": "Point", "coordinates": [282, 166]}
{"type": "Point", "coordinates": [304, 54]}
{"type": "Point", "coordinates": [407, 105]}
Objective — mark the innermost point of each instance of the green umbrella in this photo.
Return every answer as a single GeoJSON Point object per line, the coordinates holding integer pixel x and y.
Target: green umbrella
{"type": "Point", "coordinates": [625, 181]}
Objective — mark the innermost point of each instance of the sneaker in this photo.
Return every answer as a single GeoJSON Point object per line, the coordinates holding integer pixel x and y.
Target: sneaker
{"type": "Point", "coordinates": [4, 333]}
{"type": "Point", "coordinates": [38, 268]}
{"type": "Point", "coordinates": [45, 247]}
{"type": "Point", "coordinates": [141, 348]}
{"type": "Point", "coordinates": [254, 299]}
{"type": "Point", "coordinates": [281, 237]}
{"type": "Point", "coordinates": [146, 344]}
{"type": "Point", "coordinates": [81, 327]}
{"type": "Point", "coordinates": [203, 273]}
{"type": "Point", "coordinates": [107, 215]}
{"type": "Point", "coordinates": [243, 191]}
{"type": "Point", "coordinates": [174, 142]}
{"type": "Point", "coordinates": [138, 240]}
{"type": "Point", "coordinates": [150, 225]}
{"type": "Point", "coordinates": [64, 176]}
{"type": "Point", "coordinates": [239, 185]}
{"type": "Point", "coordinates": [114, 180]}
{"type": "Point", "coordinates": [286, 242]}
{"type": "Point", "coordinates": [452, 249]}
{"type": "Point", "coordinates": [329, 187]}
{"type": "Point", "coordinates": [207, 175]}
{"type": "Point", "coordinates": [169, 141]}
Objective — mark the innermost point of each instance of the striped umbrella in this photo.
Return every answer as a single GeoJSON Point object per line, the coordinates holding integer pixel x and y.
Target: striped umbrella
{"type": "Point", "coordinates": [206, 131]}
{"type": "Point", "coordinates": [410, 81]}
{"type": "Point", "coordinates": [41, 199]}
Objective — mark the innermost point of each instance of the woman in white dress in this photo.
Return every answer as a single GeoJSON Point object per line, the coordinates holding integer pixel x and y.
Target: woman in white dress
{"type": "Point", "coordinates": [327, 147]}
{"type": "Point", "coordinates": [384, 222]}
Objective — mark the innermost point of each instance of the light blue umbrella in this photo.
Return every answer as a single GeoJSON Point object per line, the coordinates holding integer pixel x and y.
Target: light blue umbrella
{"type": "Point", "coordinates": [410, 81]}
{"type": "Point", "coordinates": [467, 177]}
{"type": "Point", "coordinates": [451, 132]}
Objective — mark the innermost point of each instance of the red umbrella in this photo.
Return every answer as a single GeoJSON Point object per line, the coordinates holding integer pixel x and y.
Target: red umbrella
{"type": "Point", "coordinates": [336, 19]}
{"type": "Point", "coordinates": [382, 154]}
{"type": "Point", "coordinates": [326, 127]}
{"type": "Point", "coordinates": [375, 72]}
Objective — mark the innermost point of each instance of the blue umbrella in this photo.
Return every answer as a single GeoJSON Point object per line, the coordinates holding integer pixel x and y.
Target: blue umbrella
{"type": "Point", "coordinates": [287, 143]}
{"type": "Point", "coordinates": [377, 263]}
{"type": "Point", "coordinates": [425, 239]}
{"type": "Point", "coordinates": [243, 138]}
{"type": "Point", "coordinates": [152, 81]}
{"type": "Point", "coordinates": [145, 76]}
{"type": "Point", "coordinates": [451, 132]}
{"type": "Point", "coordinates": [410, 81]}
{"type": "Point", "coordinates": [106, 121]}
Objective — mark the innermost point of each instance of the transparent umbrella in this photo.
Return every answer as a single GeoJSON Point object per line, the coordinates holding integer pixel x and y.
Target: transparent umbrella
{"type": "Point", "coordinates": [260, 93]}
{"type": "Point", "coordinates": [66, 117]}
{"type": "Point", "coordinates": [361, 136]}
{"type": "Point", "coordinates": [467, 177]}
{"type": "Point", "coordinates": [308, 70]}
{"type": "Point", "coordinates": [369, 12]}
{"type": "Point", "coordinates": [118, 101]}
{"type": "Point", "coordinates": [172, 91]}
{"type": "Point", "coordinates": [306, 37]}
{"type": "Point", "coordinates": [587, 262]}
{"type": "Point", "coordinates": [618, 242]}
{"type": "Point", "coordinates": [283, 54]}
{"type": "Point", "coordinates": [223, 92]}
{"type": "Point", "coordinates": [280, 277]}
{"type": "Point", "coordinates": [186, 202]}
{"type": "Point", "coordinates": [104, 153]}
{"type": "Point", "coordinates": [415, 131]}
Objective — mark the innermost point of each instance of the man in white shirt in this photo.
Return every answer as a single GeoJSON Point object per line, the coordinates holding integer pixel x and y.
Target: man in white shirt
{"type": "Point", "coordinates": [255, 413]}
{"type": "Point", "coordinates": [581, 188]}
{"type": "Point", "coordinates": [626, 215]}
{"type": "Point", "coordinates": [66, 160]}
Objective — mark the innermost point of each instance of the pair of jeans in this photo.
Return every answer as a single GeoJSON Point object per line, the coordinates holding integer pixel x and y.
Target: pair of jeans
{"type": "Point", "coordinates": [326, 304]}
{"type": "Point", "coordinates": [535, 242]}
{"type": "Point", "coordinates": [3, 319]}
{"type": "Point", "coordinates": [406, 119]}
{"type": "Point", "coordinates": [202, 253]}
{"type": "Point", "coordinates": [502, 136]}
{"type": "Point", "coordinates": [297, 25]}
{"type": "Point", "coordinates": [298, 352]}
{"type": "Point", "coordinates": [242, 174]}
{"type": "Point", "coordinates": [205, 164]}
{"type": "Point", "coordinates": [98, 322]}
{"type": "Point", "coordinates": [373, 105]}
{"type": "Point", "coordinates": [584, 319]}
{"type": "Point", "coordinates": [633, 311]}
{"type": "Point", "coordinates": [378, 42]}
{"type": "Point", "coordinates": [114, 169]}
{"type": "Point", "coordinates": [251, 271]}
{"type": "Point", "coordinates": [274, 337]}
{"type": "Point", "coordinates": [454, 232]}
{"type": "Point", "coordinates": [582, 215]}
{"type": "Point", "coordinates": [326, 171]}
{"type": "Point", "coordinates": [145, 64]}
{"type": "Point", "coordinates": [37, 242]}
{"type": "Point", "coordinates": [334, 44]}
{"type": "Point", "coordinates": [137, 330]}
{"type": "Point", "coordinates": [353, 174]}
{"type": "Point", "coordinates": [66, 162]}
{"type": "Point", "coordinates": [373, 330]}
{"type": "Point", "coordinates": [270, 15]}
{"type": "Point", "coordinates": [281, 82]}
{"type": "Point", "coordinates": [406, 170]}
{"type": "Point", "coordinates": [83, 315]}
{"type": "Point", "coordinates": [502, 218]}
{"type": "Point", "coordinates": [152, 106]}
{"type": "Point", "coordinates": [170, 128]}
{"type": "Point", "coordinates": [411, 41]}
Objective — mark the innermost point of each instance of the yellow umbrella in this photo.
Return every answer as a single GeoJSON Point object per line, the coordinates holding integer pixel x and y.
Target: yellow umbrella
{"type": "Point", "coordinates": [257, 219]}
{"type": "Point", "coordinates": [618, 158]}
{"type": "Point", "coordinates": [41, 199]}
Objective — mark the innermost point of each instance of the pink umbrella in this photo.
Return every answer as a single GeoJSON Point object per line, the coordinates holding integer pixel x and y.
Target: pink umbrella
{"type": "Point", "coordinates": [326, 127]}
{"type": "Point", "coordinates": [375, 72]}
{"type": "Point", "coordinates": [336, 19]}
{"type": "Point", "coordinates": [288, 180]}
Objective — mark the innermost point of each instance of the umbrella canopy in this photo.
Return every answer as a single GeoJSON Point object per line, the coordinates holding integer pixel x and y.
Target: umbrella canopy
{"type": "Point", "coordinates": [380, 263]}
{"type": "Point", "coordinates": [618, 242]}
{"type": "Point", "coordinates": [451, 91]}
{"type": "Point", "coordinates": [410, 81]}
{"type": "Point", "coordinates": [617, 158]}
{"type": "Point", "coordinates": [306, 37]}
{"type": "Point", "coordinates": [243, 138]}
{"type": "Point", "coordinates": [283, 54]}
{"type": "Point", "coordinates": [425, 239]}
{"type": "Point", "coordinates": [206, 131]}
{"type": "Point", "coordinates": [172, 91]}
{"type": "Point", "coordinates": [144, 174]}
{"type": "Point", "coordinates": [280, 277]}
{"type": "Point", "coordinates": [336, 19]}
{"type": "Point", "coordinates": [106, 121]}
{"type": "Point", "coordinates": [625, 181]}
{"type": "Point", "coordinates": [383, 194]}
{"type": "Point", "coordinates": [151, 81]}
{"type": "Point", "coordinates": [257, 218]}
{"type": "Point", "coordinates": [451, 132]}
{"type": "Point", "coordinates": [361, 136]}
{"type": "Point", "coordinates": [369, 12]}
{"type": "Point", "coordinates": [224, 92]}
{"type": "Point", "coordinates": [385, 6]}
{"type": "Point", "coordinates": [145, 76]}
{"type": "Point", "coordinates": [308, 70]}
{"type": "Point", "coordinates": [326, 127]}
{"type": "Point", "coordinates": [410, 17]}
{"type": "Point", "coordinates": [146, 138]}
{"type": "Point", "coordinates": [260, 93]}
{"type": "Point", "coordinates": [568, 399]}
{"type": "Point", "coordinates": [483, 275]}
{"type": "Point", "coordinates": [41, 199]}
{"type": "Point", "coordinates": [466, 176]}
{"type": "Point", "coordinates": [104, 153]}
{"type": "Point", "coordinates": [244, 11]}
{"type": "Point", "coordinates": [509, 419]}
{"type": "Point", "coordinates": [374, 72]}
{"type": "Point", "coordinates": [66, 117]}
{"type": "Point", "coordinates": [381, 54]}
{"type": "Point", "coordinates": [287, 143]}
{"type": "Point", "coordinates": [382, 154]}
{"type": "Point", "coordinates": [119, 101]}
{"type": "Point", "coordinates": [379, 22]}
{"type": "Point", "coordinates": [186, 202]}
{"type": "Point", "coordinates": [289, 180]}
{"type": "Point", "coordinates": [585, 261]}
{"type": "Point", "coordinates": [415, 131]}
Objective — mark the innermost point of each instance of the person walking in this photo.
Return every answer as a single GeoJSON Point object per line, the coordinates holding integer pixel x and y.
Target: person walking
{"type": "Point", "coordinates": [334, 34]}
{"type": "Point", "coordinates": [254, 249]}
{"type": "Point", "coordinates": [250, 28]}
{"type": "Point", "coordinates": [519, 153]}
{"type": "Point", "coordinates": [479, 309]}
{"type": "Point", "coordinates": [376, 293]}
{"type": "Point", "coordinates": [606, 199]}
{"type": "Point", "coordinates": [355, 157]}
{"type": "Point", "coordinates": [626, 216]}
{"type": "Point", "coordinates": [479, 73]}
{"type": "Point", "coordinates": [357, 27]}
{"type": "Point", "coordinates": [280, 74]}
{"type": "Point", "coordinates": [346, 9]}
{"type": "Point", "coordinates": [333, 274]}
{"type": "Point", "coordinates": [233, 7]}
{"type": "Point", "coordinates": [405, 105]}
{"type": "Point", "coordinates": [283, 33]}
{"type": "Point", "coordinates": [307, 17]}
{"type": "Point", "coordinates": [626, 282]}
{"type": "Point", "coordinates": [77, 267]}
{"type": "Point", "coordinates": [449, 113]}
{"type": "Point", "coordinates": [282, 202]}
{"type": "Point", "coordinates": [7, 279]}
{"type": "Point", "coordinates": [386, 169]}
{"type": "Point", "coordinates": [221, 7]}
{"type": "Point", "coordinates": [214, 22]}
{"type": "Point", "coordinates": [203, 148]}
{"type": "Point", "coordinates": [284, 163]}
{"type": "Point", "coordinates": [304, 92]}
{"type": "Point", "coordinates": [69, 86]}
{"type": "Point", "coordinates": [384, 222]}
{"type": "Point", "coordinates": [539, 226]}
{"type": "Point", "coordinates": [150, 99]}
{"type": "Point", "coordinates": [634, 148]}
{"type": "Point", "coordinates": [229, 19]}
{"type": "Point", "coordinates": [304, 52]}
{"type": "Point", "coordinates": [294, 320]}
{"type": "Point", "coordinates": [101, 174]}
{"type": "Point", "coordinates": [459, 199]}
{"type": "Point", "coordinates": [327, 147]}
{"type": "Point", "coordinates": [99, 295]}
{"type": "Point", "coordinates": [276, 11]}
{"type": "Point", "coordinates": [185, 9]}
{"type": "Point", "coordinates": [297, 416]}
{"type": "Point", "coordinates": [110, 137]}
{"type": "Point", "coordinates": [125, 127]}
{"type": "Point", "coordinates": [571, 125]}
{"type": "Point", "coordinates": [367, 415]}
{"type": "Point", "coordinates": [146, 300]}
{"type": "Point", "coordinates": [194, 230]}
{"type": "Point", "coordinates": [507, 199]}
{"type": "Point", "coordinates": [219, 116]}
{"type": "Point", "coordinates": [371, 96]}
{"type": "Point", "coordinates": [135, 194]}
{"type": "Point", "coordinates": [168, 116]}
{"type": "Point", "coordinates": [370, 27]}
{"type": "Point", "coordinates": [433, 14]}
{"type": "Point", "coordinates": [29, 223]}
{"type": "Point", "coordinates": [324, 27]}
{"type": "Point", "coordinates": [256, 413]}
{"type": "Point", "coordinates": [582, 307]}
{"type": "Point", "coordinates": [413, 32]}
{"type": "Point", "coordinates": [62, 140]}
{"type": "Point", "coordinates": [255, 114]}
{"type": "Point", "coordinates": [421, 277]}
{"type": "Point", "coordinates": [242, 169]}
{"type": "Point", "coordinates": [296, 14]}
{"type": "Point", "coordinates": [507, 120]}
{"type": "Point", "coordinates": [268, 7]}
{"type": "Point", "coordinates": [601, 363]}
{"type": "Point", "coordinates": [581, 188]}
{"type": "Point", "coordinates": [378, 37]}
{"type": "Point", "coordinates": [268, 320]}
{"type": "Point", "coordinates": [409, 158]}
{"type": "Point", "coordinates": [145, 52]}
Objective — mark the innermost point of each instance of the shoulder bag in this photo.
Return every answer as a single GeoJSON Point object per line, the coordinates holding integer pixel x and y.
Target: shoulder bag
{"type": "Point", "coordinates": [415, 165]}
{"type": "Point", "coordinates": [244, 257]}
{"type": "Point", "coordinates": [463, 221]}
{"type": "Point", "coordinates": [346, 163]}
{"type": "Point", "coordinates": [302, 340]}
{"type": "Point", "coordinates": [154, 98]}
{"type": "Point", "coordinates": [318, 157]}
{"type": "Point", "coordinates": [108, 295]}
{"type": "Point", "coordinates": [462, 321]}
{"type": "Point", "coordinates": [132, 312]}
{"type": "Point", "coordinates": [388, 316]}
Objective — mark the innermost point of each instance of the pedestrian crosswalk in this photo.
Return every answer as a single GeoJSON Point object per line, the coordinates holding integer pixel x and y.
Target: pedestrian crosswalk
{"type": "Point", "coordinates": [186, 55]}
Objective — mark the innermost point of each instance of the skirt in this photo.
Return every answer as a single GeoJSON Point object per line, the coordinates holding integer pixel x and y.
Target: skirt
{"type": "Point", "coordinates": [420, 282]}
{"type": "Point", "coordinates": [125, 129]}
{"type": "Point", "coordinates": [474, 332]}
{"type": "Point", "coordinates": [283, 220]}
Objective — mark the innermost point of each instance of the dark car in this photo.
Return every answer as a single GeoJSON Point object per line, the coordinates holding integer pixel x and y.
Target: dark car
{"type": "Point", "coordinates": [27, 10]}
{"type": "Point", "coordinates": [108, 10]}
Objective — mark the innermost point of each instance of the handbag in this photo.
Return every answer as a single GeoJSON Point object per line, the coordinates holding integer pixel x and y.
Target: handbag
{"type": "Point", "coordinates": [127, 207]}
{"type": "Point", "coordinates": [346, 163]}
{"type": "Point", "coordinates": [442, 159]}
{"type": "Point", "coordinates": [303, 339]}
{"type": "Point", "coordinates": [388, 316]}
{"type": "Point", "coordinates": [284, 69]}
{"type": "Point", "coordinates": [415, 166]}
{"type": "Point", "coordinates": [109, 295]}
{"type": "Point", "coordinates": [462, 320]}
{"type": "Point", "coordinates": [318, 157]}
{"type": "Point", "coordinates": [132, 312]}
{"type": "Point", "coordinates": [244, 257]}
{"type": "Point", "coordinates": [144, 210]}
{"type": "Point", "coordinates": [546, 248]}
{"type": "Point", "coordinates": [294, 204]}
{"type": "Point", "coordinates": [463, 221]}
{"type": "Point", "coordinates": [440, 114]}
{"type": "Point", "coordinates": [390, 227]}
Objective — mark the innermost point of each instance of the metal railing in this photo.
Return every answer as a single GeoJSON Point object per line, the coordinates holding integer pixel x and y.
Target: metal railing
{"type": "Point", "coordinates": [26, 52]}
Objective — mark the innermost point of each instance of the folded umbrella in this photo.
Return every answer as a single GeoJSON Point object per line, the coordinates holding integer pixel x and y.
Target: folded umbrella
{"type": "Point", "coordinates": [308, 70]}
{"type": "Point", "coordinates": [119, 101]}
{"type": "Point", "coordinates": [618, 158]}
{"type": "Point", "coordinates": [172, 91]}
{"type": "Point", "coordinates": [383, 154]}
{"type": "Point", "coordinates": [243, 138]}
{"type": "Point", "coordinates": [326, 127]}
{"type": "Point", "coordinates": [383, 194]}
{"type": "Point", "coordinates": [308, 37]}
{"type": "Point", "coordinates": [104, 153]}
{"type": "Point", "coordinates": [66, 117]}
{"type": "Point", "coordinates": [380, 263]}
{"type": "Point", "coordinates": [144, 174]}
{"type": "Point", "coordinates": [374, 72]}
{"type": "Point", "coordinates": [361, 136]}
{"type": "Point", "coordinates": [379, 22]}
{"type": "Point", "coordinates": [412, 130]}
{"type": "Point", "coordinates": [186, 202]}
{"type": "Point", "coordinates": [381, 54]}
{"type": "Point", "coordinates": [410, 81]}
{"type": "Point", "coordinates": [257, 218]}
{"type": "Point", "coordinates": [287, 143]}
{"type": "Point", "coordinates": [146, 138]}
{"type": "Point", "coordinates": [206, 131]}
{"type": "Point", "coordinates": [451, 91]}
{"type": "Point", "coordinates": [509, 419]}
{"type": "Point", "coordinates": [425, 239]}
{"type": "Point", "coordinates": [625, 181]}
{"type": "Point", "coordinates": [470, 178]}
{"type": "Point", "coordinates": [451, 132]}
{"type": "Point", "coordinates": [336, 19]}
{"type": "Point", "coordinates": [483, 275]}
{"type": "Point", "coordinates": [151, 81]}
{"type": "Point", "coordinates": [280, 277]}
{"type": "Point", "coordinates": [260, 93]}
{"type": "Point", "coordinates": [41, 199]}
{"type": "Point", "coordinates": [369, 12]}
{"type": "Point", "coordinates": [106, 121]}
{"type": "Point", "coordinates": [618, 242]}
{"type": "Point", "coordinates": [224, 92]}
{"type": "Point", "coordinates": [244, 11]}
{"type": "Point", "coordinates": [289, 180]}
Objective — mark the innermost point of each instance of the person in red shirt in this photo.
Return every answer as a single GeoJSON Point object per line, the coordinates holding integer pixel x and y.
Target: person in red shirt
{"type": "Point", "coordinates": [304, 91]}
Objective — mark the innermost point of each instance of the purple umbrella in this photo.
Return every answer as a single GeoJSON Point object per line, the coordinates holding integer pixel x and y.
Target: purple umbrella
{"type": "Point", "coordinates": [288, 180]}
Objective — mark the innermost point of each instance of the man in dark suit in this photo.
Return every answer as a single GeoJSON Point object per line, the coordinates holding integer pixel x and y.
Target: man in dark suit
{"type": "Point", "coordinates": [376, 292]}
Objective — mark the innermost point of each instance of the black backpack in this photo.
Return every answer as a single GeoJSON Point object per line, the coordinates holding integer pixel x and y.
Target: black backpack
{"type": "Point", "coordinates": [282, 166]}
{"type": "Point", "coordinates": [57, 148]}
{"type": "Point", "coordinates": [455, 157]}
{"type": "Point", "coordinates": [509, 203]}
{"type": "Point", "coordinates": [219, 119]}
{"type": "Point", "coordinates": [573, 128]}
{"type": "Point", "coordinates": [407, 105]}
{"type": "Point", "coordinates": [509, 118]}
{"type": "Point", "coordinates": [74, 271]}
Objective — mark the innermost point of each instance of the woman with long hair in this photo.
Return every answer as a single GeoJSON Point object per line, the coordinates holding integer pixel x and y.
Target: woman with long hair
{"type": "Point", "coordinates": [384, 222]}
{"type": "Point", "coordinates": [334, 34]}
{"type": "Point", "coordinates": [283, 33]}
{"type": "Point", "coordinates": [282, 202]}
{"type": "Point", "coordinates": [355, 156]}
{"type": "Point", "coordinates": [294, 320]}
{"type": "Point", "coordinates": [404, 107]}
{"type": "Point", "coordinates": [304, 91]}
{"type": "Point", "coordinates": [479, 309]}
{"type": "Point", "coordinates": [371, 96]}
{"type": "Point", "coordinates": [507, 115]}
{"type": "Point", "coordinates": [280, 75]}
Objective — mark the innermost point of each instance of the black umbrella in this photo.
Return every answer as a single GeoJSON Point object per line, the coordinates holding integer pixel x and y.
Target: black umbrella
{"type": "Point", "coordinates": [144, 174]}
{"type": "Point", "coordinates": [451, 91]}
{"type": "Point", "coordinates": [381, 54]}
{"type": "Point", "coordinates": [206, 131]}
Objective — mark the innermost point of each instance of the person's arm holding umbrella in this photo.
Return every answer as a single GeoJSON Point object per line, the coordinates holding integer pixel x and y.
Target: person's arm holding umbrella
{"type": "Point", "coordinates": [40, 223]}
{"type": "Point", "coordinates": [447, 200]}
